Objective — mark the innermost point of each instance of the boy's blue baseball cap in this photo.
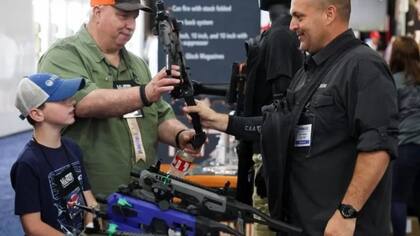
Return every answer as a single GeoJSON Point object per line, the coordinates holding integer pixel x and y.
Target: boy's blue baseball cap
{"type": "Point", "coordinates": [39, 88]}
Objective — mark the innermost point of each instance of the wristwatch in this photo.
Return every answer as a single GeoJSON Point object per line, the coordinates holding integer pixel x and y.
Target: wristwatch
{"type": "Point", "coordinates": [347, 211]}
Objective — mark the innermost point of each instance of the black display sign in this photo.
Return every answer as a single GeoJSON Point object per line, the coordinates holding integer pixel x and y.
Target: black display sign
{"type": "Point", "coordinates": [213, 34]}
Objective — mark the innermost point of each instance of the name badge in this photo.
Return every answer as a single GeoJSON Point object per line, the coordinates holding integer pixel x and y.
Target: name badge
{"type": "Point", "coordinates": [303, 136]}
{"type": "Point", "coordinates": [128, 84]}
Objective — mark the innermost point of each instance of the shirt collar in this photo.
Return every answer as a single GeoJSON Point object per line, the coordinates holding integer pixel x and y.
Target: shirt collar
{"type": "Point", "coordinates": [329, 50]}
{"type": "Point", "coordinates": [86, 38]}
{"type": "Point", "coordinates": [308, 61]}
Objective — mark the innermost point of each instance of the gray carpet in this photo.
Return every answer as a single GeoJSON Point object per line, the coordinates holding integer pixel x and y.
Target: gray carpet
{"type": "Point", "coordinates": [10, 148]}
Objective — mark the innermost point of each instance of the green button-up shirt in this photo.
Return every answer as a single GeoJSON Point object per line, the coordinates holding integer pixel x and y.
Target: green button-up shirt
{"type": "Point", "coordinates": [106, 143]}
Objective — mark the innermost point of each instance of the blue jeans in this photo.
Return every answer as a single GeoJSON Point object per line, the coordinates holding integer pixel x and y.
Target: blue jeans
{"type": "Point", "coordinates": [406, 168]}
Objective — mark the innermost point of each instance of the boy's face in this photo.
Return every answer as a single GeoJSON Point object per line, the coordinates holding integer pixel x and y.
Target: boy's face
{"type": "Point", "coordinates": [58, 113]}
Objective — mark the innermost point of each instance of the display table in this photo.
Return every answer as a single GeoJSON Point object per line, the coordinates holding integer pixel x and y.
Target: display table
{"type": "Point", "coordinates": [211, 181]}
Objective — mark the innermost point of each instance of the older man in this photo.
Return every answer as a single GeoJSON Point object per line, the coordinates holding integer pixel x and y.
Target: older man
{"type": "Point", "coordinates": [120, 113]}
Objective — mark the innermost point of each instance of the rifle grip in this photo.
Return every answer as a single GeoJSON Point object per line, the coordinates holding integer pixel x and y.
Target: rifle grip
{"type": "Point", "coordinates": [168, 72]}
{"type": "Point", "coordinates": [198, 139]}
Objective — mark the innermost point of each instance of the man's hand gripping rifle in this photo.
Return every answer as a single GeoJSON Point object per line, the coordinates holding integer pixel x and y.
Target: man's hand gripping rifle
{"type": "Point", "coordinates": [167, 28]}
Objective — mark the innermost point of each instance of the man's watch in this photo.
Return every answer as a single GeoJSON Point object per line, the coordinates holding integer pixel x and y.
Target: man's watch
{"type": "Point", "coordinates": [347, 211]}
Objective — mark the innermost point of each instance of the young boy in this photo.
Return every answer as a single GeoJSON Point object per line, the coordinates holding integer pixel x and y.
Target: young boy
{"type": "Point", "coordinates": [48, 177]}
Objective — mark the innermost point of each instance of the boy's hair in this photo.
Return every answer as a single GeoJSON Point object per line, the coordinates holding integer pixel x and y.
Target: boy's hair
{"type": "Point", "coordinates": [33, 91]}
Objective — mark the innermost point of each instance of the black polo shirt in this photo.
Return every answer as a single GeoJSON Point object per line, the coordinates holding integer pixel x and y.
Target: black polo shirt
{"type": "Point", "coordinates": [353, 110]}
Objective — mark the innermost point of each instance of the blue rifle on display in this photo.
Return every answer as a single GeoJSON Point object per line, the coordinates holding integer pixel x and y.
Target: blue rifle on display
{"type": "Point", "coordinates": [132, 216]}
{"type": "Point", "coordinates": [168, 28]}
{"type": "Point", "coordinates": [112, 229]}
{"type": "Point", "coordinates": [155, 202]}
{"type": "Point", "coordinates": [200, 200]}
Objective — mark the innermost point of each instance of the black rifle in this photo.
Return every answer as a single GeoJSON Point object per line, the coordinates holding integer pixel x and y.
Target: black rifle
{"type": "Point", "coordinates": [200, 200]}
{"type": "Point", "coordinates": [198, 207]}
{"type": "Point", "coordinates": [234, 91]}
{"type": "Point", "coordinates": [168, 28]}
{"type": "Point", "coordinates": [214, 89]}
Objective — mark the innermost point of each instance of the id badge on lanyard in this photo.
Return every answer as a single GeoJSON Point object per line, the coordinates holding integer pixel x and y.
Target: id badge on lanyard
{"type": "Point", "coordinates": [304, 130]}
{"type": "Point", "coordinates": [132, 123]}
{"type": "Point", "coordinates": [303, 135]}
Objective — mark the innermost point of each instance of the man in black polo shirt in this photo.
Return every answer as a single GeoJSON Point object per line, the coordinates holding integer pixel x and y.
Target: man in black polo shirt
{"type": "Point", "coordinates": [327, 147]}
{"type": "Point", "coordinates": [344, 106]}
